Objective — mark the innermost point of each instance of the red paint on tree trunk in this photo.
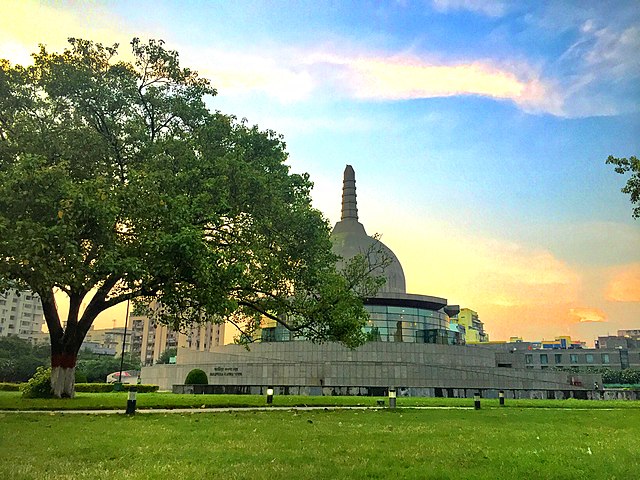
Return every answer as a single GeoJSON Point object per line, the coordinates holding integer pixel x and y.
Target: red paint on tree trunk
{"type": "Point", "coordinates": [64, 360]}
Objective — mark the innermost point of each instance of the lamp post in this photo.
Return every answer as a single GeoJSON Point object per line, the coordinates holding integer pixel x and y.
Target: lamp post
{"type": "Point", "coordinates": [118, 385]}
{"type": "Point", "coordinates": [269, 395]}
{"type": "Point", "coordinates": [392, 398]}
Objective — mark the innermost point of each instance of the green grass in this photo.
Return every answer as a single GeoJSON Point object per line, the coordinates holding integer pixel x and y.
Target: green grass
{"type": "Point", "coordinates": [491, 443]}
{"type": "Point", "coordinates": [118, 401]}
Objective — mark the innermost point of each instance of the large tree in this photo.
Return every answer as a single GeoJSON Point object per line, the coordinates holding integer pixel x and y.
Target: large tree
{"type": "Point", "coordinates": [117, 183]}
{"type": "Point", "coordinates": [629, 165]}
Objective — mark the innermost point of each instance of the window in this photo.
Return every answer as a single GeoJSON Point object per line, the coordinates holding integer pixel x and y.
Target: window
{"type": "Point", "coordinates": [544, 359]}
{"type": "Point", "coordinates": [573, 358]}
{"type": "Point", "coordinates": [605, 357]}
{"type": "Point", "coordinates": [589, 358]}
{"type": "Point", "coordinates": [558, 357]}
{"type": "Point", "coordinates": [528, 359]}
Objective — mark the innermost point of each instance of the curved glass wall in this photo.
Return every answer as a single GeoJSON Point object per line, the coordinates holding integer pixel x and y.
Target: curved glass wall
{"type": "Point", "coordinates": [388, 324]}
{"type": "Point", "coordinates": [406, 324]}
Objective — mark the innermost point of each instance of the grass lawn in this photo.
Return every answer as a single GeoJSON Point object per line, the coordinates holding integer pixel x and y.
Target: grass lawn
{"type": "Point", "coordinates": [118, 401]}
{"type": "Point", "coordinates": [493, 443]}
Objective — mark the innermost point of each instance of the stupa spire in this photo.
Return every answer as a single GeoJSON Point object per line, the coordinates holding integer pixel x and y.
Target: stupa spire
{"type": "Point", "coordinates": [349, 202]}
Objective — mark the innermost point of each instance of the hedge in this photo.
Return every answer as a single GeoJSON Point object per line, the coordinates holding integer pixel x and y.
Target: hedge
{"type": "Point", "coordinates": [9, 387]}
{"type": "Point", "coordinates": [108, 387]}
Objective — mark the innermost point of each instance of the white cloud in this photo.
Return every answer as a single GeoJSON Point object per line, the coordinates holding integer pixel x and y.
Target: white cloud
{"type": "Point", "coordinates": [402, 77]}
{"type": "Point", "coordinates": [241, 73]}
{"type": "Point", "coordinates": [599, 72]}
{"type": "Point", "coordinates": [490, 8]}
{"type": "Point", "coordinates": [585, 81]}
{"type": "Point", "coordinates": [587, 315]}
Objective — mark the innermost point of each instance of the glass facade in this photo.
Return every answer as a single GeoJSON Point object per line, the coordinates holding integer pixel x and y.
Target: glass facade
{"type": "Point", "coordinates": [407, 324]}
{"type": "Point", "coordinates": [412, 323]}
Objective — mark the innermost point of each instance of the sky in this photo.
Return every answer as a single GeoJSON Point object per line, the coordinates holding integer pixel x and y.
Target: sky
{"type": "Point", "coordinates": [478, 131]}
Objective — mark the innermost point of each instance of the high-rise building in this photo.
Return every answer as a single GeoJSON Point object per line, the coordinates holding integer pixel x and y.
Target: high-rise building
{"type": "Point", "coordinates": [474, 328]}
{"type": "Point", "coordinates": [20, 314]}
{"type": "Point", "coordinates": [150, 340]}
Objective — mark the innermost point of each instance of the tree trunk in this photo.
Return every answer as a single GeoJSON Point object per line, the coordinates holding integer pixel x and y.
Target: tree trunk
{"type": "Point", "coordinates": [64, 354]}
{"type": "Point", "coordinates": [63, 375]}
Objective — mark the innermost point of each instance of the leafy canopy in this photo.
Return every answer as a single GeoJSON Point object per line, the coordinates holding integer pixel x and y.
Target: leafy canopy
{"type": "Point", "coordinates": [118, 183]}
{"type": "Point", "coordinates": [629, 165]}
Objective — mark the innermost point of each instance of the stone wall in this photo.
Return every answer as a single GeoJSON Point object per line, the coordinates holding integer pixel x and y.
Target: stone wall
{"type": "Point", "coordinates": [331, 369]}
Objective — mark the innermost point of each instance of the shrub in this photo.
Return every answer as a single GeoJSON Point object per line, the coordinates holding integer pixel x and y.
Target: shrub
{"type": "Point", "coordinates": [9, 387]}
{"type": "Point", "coordinates": [142, 388]}
{"type": "Point", "coordinates": [38, 386]}
{"type": "Point", "coordinates": [196, 377]}
{"type": "Point", "coordinates": [94, 387]}
{"type": "Point", "coordinates": [108, 387]}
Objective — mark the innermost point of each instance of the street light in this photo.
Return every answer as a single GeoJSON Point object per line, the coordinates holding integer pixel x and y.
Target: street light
{"type": "Point", "coordinates": [118, 386]}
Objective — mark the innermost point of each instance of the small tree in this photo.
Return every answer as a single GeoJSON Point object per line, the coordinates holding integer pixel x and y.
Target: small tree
{"type": "Point", "coordinates": [167, 354]}
{"type": "Point", "coordinates": [196, 377]}
{"type": "Point", "coordinates": [629, 165]}
{"type": "Point", "coordinates": [117, 183]}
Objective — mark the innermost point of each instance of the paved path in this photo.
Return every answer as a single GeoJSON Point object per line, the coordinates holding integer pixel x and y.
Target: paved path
{"type": "Point", "coordinates": [223, 409]}
{"type": "Point", "coordinates": [279, 408]}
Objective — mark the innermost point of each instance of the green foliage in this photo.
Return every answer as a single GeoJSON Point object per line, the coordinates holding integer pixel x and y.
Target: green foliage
{"type": "Point", "coordinates": [196, 377]}
{"type": "Point", "coordinates": [19, 359]}
{"type": "Point", "coordinates": [628, 376]}
{"type": "Point", "coordinates": [80, 377]}
{"type": "Point", "coordinates": [9, 387]}
{"type": "Point", "coordinates": [117, 183]}
{"type": "Point", "coordinates": [39, 386]}
{"type": "Point", "coordinates": [629, 165]}
{"type": "Point", "coordinates": [167, 354]}
{"type": "Point", "coordinates": [95, 368]}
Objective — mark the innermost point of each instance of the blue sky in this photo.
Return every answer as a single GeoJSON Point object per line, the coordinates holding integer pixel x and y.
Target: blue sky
{"type": "Point", "coordinates": [477, 129]}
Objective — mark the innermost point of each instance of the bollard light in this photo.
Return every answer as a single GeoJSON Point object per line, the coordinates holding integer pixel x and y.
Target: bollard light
{"type": "Point", "coordinates": [269, 396]}
{"type": "Point", "coordinates": [476, 401]}
{"type": "Point", "coordinates": [501, 397]}
{"type": "Point", "coordinates": [131, 401]}
{"type": "Point", "coordinates": [392, 398]}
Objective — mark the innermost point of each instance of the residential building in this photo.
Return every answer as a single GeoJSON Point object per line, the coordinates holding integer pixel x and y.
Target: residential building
{"type": "Point", "coordinates": [583, 358]}
{"type": "Point", "coordinates": [150, 340]}
{"type": "Point", "coordinates": [624, 339]}
{"type": "Point", "coordinates": [474, 328]}
{"type": "Point", "coordinates": [107, 340]}
{"type": "Point", "coordinates": [20, 314]}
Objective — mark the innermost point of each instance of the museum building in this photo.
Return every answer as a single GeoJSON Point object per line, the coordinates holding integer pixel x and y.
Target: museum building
{"type": "Point", "coordinates": [395, 315]}
{"type": "Point", "coordinates": [413, 347]}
